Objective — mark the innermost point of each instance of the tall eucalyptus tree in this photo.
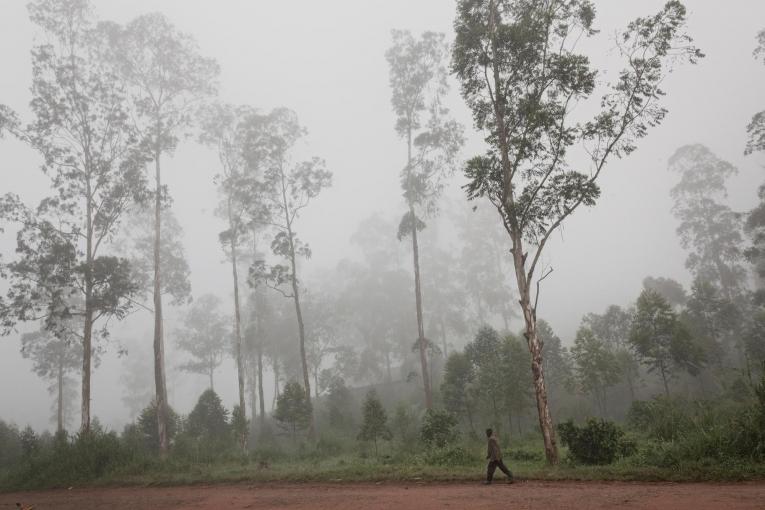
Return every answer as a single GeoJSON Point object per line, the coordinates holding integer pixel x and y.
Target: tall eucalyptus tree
{"type": "Point", "coordinates": [287, 189]}
{"type": "Point", "coordinates": [168, 79]}
{"type": "Point", "coordinates": [92, 154]}
{"type": "Point", "coordinates": [418, 71]}
{"type": "Point", "coordinates": [522, 76]}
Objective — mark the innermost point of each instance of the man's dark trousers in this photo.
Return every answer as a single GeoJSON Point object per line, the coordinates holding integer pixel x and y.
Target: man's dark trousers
{"type": "Point", "coordinates": [493, 465]}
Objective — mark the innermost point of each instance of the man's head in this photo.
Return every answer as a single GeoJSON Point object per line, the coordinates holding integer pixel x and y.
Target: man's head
{"type": "Point", "coordinates": [489, 432]}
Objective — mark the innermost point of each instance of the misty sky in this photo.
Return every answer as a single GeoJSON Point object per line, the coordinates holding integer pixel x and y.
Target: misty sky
{"type": "Point", "coordinates": [325, 60]}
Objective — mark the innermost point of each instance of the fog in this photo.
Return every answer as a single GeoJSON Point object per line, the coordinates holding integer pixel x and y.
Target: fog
{"type": "Point", "coordinates": [326, 61]}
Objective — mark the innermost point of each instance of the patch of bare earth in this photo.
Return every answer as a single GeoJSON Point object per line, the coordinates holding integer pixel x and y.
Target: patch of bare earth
{"type": "Point", "coordinates": [401, 496]}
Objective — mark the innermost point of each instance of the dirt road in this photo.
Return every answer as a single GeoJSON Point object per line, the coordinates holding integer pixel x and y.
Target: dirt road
{"type": "Point", "coordinates": [401, 496]}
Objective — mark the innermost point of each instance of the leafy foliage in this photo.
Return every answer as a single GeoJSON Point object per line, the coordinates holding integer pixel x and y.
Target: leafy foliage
{"type": "Point", "coordinates": [708, 227]}
{"type": "Point", "coordinates": [661, 340]}
{"type": "Point", "coordinates": [597, 365]}
{"type": "Point", "coordinates": [204, 336]}
{"type": "Point", "coordinates": [438, 429]}
{"type": "Point", "coordinates": [375, 420]}
{"type": "Point", "coordinates": [595, 442]}
{"type": "Point", "coordinates": [209, 419]}
{"type": "Point", "coordinates": [293, 410]}
{"type": "Point", "coordinates": [147, 426]}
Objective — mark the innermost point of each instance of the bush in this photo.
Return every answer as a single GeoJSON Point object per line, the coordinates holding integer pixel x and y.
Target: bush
{"type": "Point", "coordinates": [10, 445]}
{"type": "Point", "coordinates": [439, 429]}
{"type": "Point", "coordinates": [62, 461]}
{"type": "Point", "coordinates": [208, 419]}
{"type": "Point", "coordinates": [404, 425]}
{"type": "Point", "coordinates": [450, 456]}
{"type": "Point", "coordinates": [661, 418]}
{"type": "Point", "coordinates": [147, 427]}
{"type": "Point", "coordinates": [293, 410]}
{"type": "Point", "coordinates": [375, 424]}
{"type": "Point", "coordinates": [597, 442]}
{"type": "Point", "coordinates": [239, 426]}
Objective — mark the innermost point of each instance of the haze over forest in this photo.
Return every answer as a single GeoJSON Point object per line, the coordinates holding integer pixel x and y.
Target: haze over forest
{"type": "Point", "coordinates": [326, 62]}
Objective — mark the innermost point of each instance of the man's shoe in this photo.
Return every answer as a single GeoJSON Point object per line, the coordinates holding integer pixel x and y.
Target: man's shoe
{"type": "Point", "coordinates": [510, 480]}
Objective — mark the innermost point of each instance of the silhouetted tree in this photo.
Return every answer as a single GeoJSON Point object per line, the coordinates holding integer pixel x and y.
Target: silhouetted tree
{"type": "Point", "coordinates": [54, 357]}
{"type": "Point", "coordinates": [375, 420]}
{"type": "Point", "coordinates": [597, 367]}
{"type": "Point", "coordinates": [293, 409]}
{"type": "Point", "coordinates": [418, 82]}
{"type": "Point", "coordinates": [91, 152]}
{"type": "Point", "coordinates": [168, 79]}
{"type": "Point", "coordinates": [708, 228]}
{"type": "Point", "coordinates": [288, 188]}
{"type": "Point", "coordinates": [204, 336]}
{"type": "Point", "coordinates": [660, 340]}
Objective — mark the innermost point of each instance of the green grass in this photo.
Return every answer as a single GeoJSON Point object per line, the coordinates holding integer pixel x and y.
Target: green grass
{"type": "Point", "coordinates": [467, 465]}
{"type": "Point", "coordinates": [352, 469]}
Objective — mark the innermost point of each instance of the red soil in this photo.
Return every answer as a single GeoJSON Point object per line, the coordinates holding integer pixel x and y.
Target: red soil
{"type": "Point", "coordinates": [402, 496]}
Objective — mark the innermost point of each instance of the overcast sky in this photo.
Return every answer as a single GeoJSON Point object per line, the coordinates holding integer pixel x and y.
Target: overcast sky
{"type": "Point", "coordinates": [325, 60]}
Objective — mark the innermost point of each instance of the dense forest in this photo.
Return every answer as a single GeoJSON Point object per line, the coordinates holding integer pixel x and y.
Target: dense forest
{"type": "Point", "coordinates": [407, 347]}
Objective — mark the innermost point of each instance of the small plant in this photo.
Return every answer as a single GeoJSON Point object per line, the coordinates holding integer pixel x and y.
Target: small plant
{"type": "Point", "coordinates": [439, 429]}
{"type": "Point", "coordinates": [404, 425]}
{"type": "Point", "coordinates": [450, 456]}
{"type": "Point", "coordinates": [239, 426]}
{"type": "Point", "coordinates": [375, 425]}
{"type": "Point", "coordinates": [293, 410]}
{"type": "Point", "coordinates": [597, 442]}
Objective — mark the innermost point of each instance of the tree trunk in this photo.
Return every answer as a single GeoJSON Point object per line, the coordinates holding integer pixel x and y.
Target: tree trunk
{"type": "Point", "coordinates": [237, 321]}
{"type": "Point", "coordinates": [664, 379]}
{"type": "Point", "coordinates": [540, 391]}
{"type": "Point", "coordinates": [260, 386]}
{"type": "Point", "coordinates": [60, 401]}
{"type": "Point", "coordinates": [630, 383]}
{"type": "Point", "coordinates": [301, 331]}
{"type": "Point", "coordinates": [298, 311]}
{"type": "Point", "coordinates": [276, 383]}
{"type": "Point", "coordinates": [523, 279]}
{"type": "Point", "coordinates": [443, 337]}
{"type": "Point", "coordinates": [420, 327]}
{"type": "Point", "coordinates": [159, 346]}
{"type": "Point", "coordinates": [417, 286]}
{"type": "Point", "coordinates": [87, 337]}
{"type": "Point", "coordinates": [469, 413]}
{"type": "Point", "coordinates": [86, 355]}
{"type": "Point", "coordinates": [252, 380]}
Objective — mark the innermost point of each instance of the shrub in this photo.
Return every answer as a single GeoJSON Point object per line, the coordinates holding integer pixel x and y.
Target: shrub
{"type": "Point", "coordinates": [293, 410]}
{"type": "Point", "coordinates": [239, 426]}
{"type": "Point", "coordinates": [404, 424]}
{"type": "Point", "coordinates": [208, 419]}
{"type": "Point", "coordinates": [661, 418]}
{"type": "Point", "coordinates": [63, 462]}
{"type": "Point", "coordinates": [147, 426]}
{"type": "Point", "coordinates": [748, 430]}
{"type": "Point", "coordinates": [449, 456]}
{"type": "Point", "coordinates": [375, 424]}
{"type": "Point", "coordinates": [10, 445]}
{"type": "Point", "coordinates": [597, 442]}
{"type": "Point", "coordinates": [439, 429]}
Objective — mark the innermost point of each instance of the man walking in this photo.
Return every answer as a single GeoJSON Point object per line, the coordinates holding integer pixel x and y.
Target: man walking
{"type": "Point", "coordinates": [494, 456]}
